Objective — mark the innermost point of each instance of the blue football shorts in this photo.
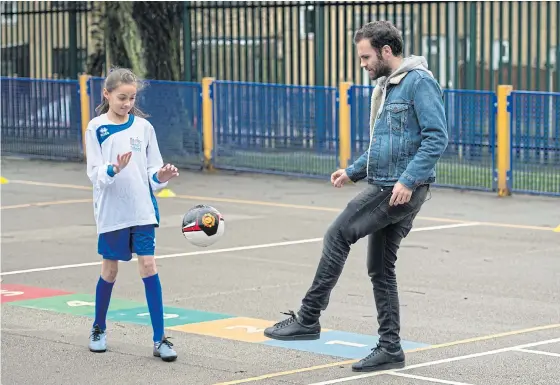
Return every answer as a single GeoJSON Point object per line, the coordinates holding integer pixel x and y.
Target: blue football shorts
{"type": "Point", "coordinates": [119, 245]}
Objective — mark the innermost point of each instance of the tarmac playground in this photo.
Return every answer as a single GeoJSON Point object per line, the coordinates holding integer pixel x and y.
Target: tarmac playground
{"type": "Point", "coordinates": [479, 284]}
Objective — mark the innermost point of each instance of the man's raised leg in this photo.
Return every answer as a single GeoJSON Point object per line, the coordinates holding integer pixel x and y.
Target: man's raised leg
{"type": "Point", "coordinates": [365, 213]}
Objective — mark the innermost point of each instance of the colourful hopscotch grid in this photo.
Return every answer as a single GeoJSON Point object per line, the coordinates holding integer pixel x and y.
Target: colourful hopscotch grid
{"type": "Point", "coordinates": [332, 342]}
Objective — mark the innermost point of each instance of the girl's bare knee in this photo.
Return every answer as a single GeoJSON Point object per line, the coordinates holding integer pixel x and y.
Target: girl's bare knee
{"type": "Point", "coordinates": [109, 270]}
{"type": "Point", "coordinates": [147, 266]}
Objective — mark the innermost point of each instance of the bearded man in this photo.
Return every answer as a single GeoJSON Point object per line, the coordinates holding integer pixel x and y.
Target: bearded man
{"type": "Point", "coordinates": [408, 135]}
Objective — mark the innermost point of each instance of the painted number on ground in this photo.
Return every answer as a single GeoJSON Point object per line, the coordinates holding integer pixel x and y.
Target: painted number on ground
{"type": "Point", "coordinates": [165, 315]}
{"type": "Point", "coordinates": [10, 293]}
{"type": "Point", "coordinates": [353, 344]}
{"type": "Point", "coordinates": [248, 329]}
{"type": "Point", "coordinates": [78, 303]}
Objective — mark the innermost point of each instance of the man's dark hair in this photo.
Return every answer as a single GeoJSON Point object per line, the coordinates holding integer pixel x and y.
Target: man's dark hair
{"type": "Point", "coordinates": [381, 33]}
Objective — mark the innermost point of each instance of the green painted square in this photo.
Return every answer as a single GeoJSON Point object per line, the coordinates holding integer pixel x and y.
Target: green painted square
{"type": "Point", "coordinates": [76, 304]}
{"type": "Point", "coordinates": [172, 316]}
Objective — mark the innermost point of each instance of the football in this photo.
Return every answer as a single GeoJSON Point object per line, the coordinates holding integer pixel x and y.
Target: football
{"type": "Point", "coordinates": [203, 225]}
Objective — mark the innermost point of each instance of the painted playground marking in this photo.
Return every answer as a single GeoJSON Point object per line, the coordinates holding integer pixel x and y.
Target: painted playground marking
{"type": "Point", "coordinates": [430, 347]}
{"type": "Point", "coordinates": [226, 250]}
{"type": "Point", "coordinates": [201, 252]}
{"type": "Point", "coordinates": [294, 206]}
{"type": "Point", "coordinates": [437, 362]}
{"type": "Point", "coordinates": [42, 204]}
{"type": "Point", "coordinates": [423, 378]}
{"type": "Point", "coordinates": [250, 330]}
{"type": "Point", "coordinates": [538, 352]}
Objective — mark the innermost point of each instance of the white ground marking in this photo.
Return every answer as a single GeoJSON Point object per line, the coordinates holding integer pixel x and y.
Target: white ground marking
{"type": "Point", "coordinates": [538, 352]}
{"type": "Point", "coordinates": [429, 379]}
{"type": "Point", "coordinates": [432, 363]}
{"type": "Point", "coordinates": [81, 231]}
{"type": "Point", "coordinates": [227, 250]}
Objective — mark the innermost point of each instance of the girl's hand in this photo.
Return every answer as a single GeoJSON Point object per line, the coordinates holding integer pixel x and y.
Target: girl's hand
{"type": "Point", "coordinates": [167, 172]}
{"type": "Point", "coordinates": [122, 161]}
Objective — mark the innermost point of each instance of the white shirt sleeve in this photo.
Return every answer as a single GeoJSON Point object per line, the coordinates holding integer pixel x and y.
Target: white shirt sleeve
{"type": "Point", "coordinates": [154, 160]}
{"type": "Point", "coordinates": [97, 168]}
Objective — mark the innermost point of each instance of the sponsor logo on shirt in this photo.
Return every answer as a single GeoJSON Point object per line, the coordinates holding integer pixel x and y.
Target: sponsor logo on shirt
{"type": "Point", "coordinates": [135, 144]}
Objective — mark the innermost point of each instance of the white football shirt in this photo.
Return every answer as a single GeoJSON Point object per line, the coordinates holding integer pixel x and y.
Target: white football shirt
{"type": "Point", "coordinates": [127, 198]}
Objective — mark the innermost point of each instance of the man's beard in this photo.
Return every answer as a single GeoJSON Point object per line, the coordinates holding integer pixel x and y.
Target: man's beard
{"type": "Point", "coordinates": [381, 69]}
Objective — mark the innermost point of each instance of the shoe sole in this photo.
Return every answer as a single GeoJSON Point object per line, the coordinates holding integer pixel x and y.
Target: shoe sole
{"type": "Point", "coordinates": [166, 359]}
{"type": "Point", "coordinates": [98, 351]}
{"type": "Point", "coordinates": [395, 365]}
{"type": "Point", "coordinates": [301, 337]}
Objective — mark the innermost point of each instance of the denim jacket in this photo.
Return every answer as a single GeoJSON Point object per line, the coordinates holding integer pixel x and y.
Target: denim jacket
{"type": "Point", "coordinates": [408, 129]}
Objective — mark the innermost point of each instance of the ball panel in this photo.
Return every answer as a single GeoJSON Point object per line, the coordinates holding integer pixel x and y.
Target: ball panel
{"type": "Point", "coordinates": [209, 223]}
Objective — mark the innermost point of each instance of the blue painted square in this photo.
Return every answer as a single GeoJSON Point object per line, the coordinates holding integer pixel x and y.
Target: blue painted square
{"type": "Point", "coordinates": [339, 344]}
{"type": "Point", "coordinates": [172, 316]}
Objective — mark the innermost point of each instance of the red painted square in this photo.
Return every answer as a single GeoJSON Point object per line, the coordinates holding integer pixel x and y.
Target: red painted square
{"type": "Point", "coordinates": [13, 292]}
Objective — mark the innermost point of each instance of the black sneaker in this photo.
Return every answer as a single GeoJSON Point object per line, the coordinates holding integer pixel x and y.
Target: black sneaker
{"type": "Point", "coordinates": [380, 359]}
{"type": "Point", "coordinates": [292, 329]}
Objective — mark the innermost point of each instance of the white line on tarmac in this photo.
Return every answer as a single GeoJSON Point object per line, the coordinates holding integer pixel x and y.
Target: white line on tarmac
{"type": "Point", "coordinates": [429, 379]}
{"type": "Point", "coordinates": [443, 227]}
{"type": "Point", "coordinates": [227, 250]}
{"type": "Point", "coordinates": [538, 352]}
{"type": "Point", "coordinates": [443, 361]}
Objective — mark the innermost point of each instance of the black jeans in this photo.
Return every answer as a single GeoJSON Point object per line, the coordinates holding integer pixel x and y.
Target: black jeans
{"type": "Point", "coordinates": [368, 213]}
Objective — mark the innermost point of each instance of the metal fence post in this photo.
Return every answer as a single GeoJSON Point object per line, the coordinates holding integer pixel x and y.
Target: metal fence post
{"type": "Point", "coordinates": [207, 123]}
{"type": "Point", "coordinates": [84, 103]}
{"type": "Point", "coordinates": [504, 141]}
{"type": "Point", "coordinates": [344, 126]}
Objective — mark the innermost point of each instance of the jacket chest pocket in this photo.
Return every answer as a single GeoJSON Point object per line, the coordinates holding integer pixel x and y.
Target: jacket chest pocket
{"type": "Point", "coordinates": [397, 115]}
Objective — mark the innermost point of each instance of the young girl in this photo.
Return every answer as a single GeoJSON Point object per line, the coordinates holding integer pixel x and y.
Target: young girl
{"type": "Point", "coordinates": [125, 166]}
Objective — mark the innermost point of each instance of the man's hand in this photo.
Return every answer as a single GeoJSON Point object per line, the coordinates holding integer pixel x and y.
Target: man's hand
{"type": "Point", "coordinates": [401, 195]}
{"type": "Point", "coordinates": [167, 172]}
{"type": "Point", "coordinates": [339, 178]}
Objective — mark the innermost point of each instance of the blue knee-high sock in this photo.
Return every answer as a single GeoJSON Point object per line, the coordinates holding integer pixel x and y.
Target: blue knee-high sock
{"type": "Point", "coordinates": [102, 298]}
{"type": "Point", "coordinates": [154, 297]}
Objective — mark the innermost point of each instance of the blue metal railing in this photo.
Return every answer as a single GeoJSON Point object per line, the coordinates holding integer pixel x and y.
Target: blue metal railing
{"type": "Point", "coordinates": [469, 159]}
{"type": "Point", "coordinates": [535, 142]}
{"type": "Point", "coordinates": [41, 118]}
{"type": "Point", "coordinates": [175, 111]}
{"type": "Point", "coordinates": [275, 128]}
{"type": "Point", "coordinates": [287, 129]}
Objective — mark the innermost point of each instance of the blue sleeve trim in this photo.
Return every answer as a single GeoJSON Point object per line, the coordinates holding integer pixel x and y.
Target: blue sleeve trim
{"type": "Point", "coordinates": [111, 170]}
{"type": "Point", "coordinates": [154, 177]}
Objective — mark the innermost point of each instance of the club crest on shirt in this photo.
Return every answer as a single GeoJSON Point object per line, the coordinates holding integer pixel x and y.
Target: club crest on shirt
{"type": "Point", "coordinates": [135, 144]}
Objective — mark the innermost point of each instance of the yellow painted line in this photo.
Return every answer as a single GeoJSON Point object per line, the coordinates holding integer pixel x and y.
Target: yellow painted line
{"type": "Point", "coordinates": [299, 207]}
{"type": "Point", "coordinates": [259, 203]}
{"type": "Point", "coordinates": [40, 204]}
{"type": "Point", "coordinates": [557, 230]}
{"type": "Point", "coordinates": [431, 347]}
{"type": "Point", "coordinates": [489, 337]}
{"type": "Point", "coordinates": [514, 226]}
{"type": "Point", "coordinates": [47, 184]}
{"type": "Point", "coordinates": [331, 209]}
